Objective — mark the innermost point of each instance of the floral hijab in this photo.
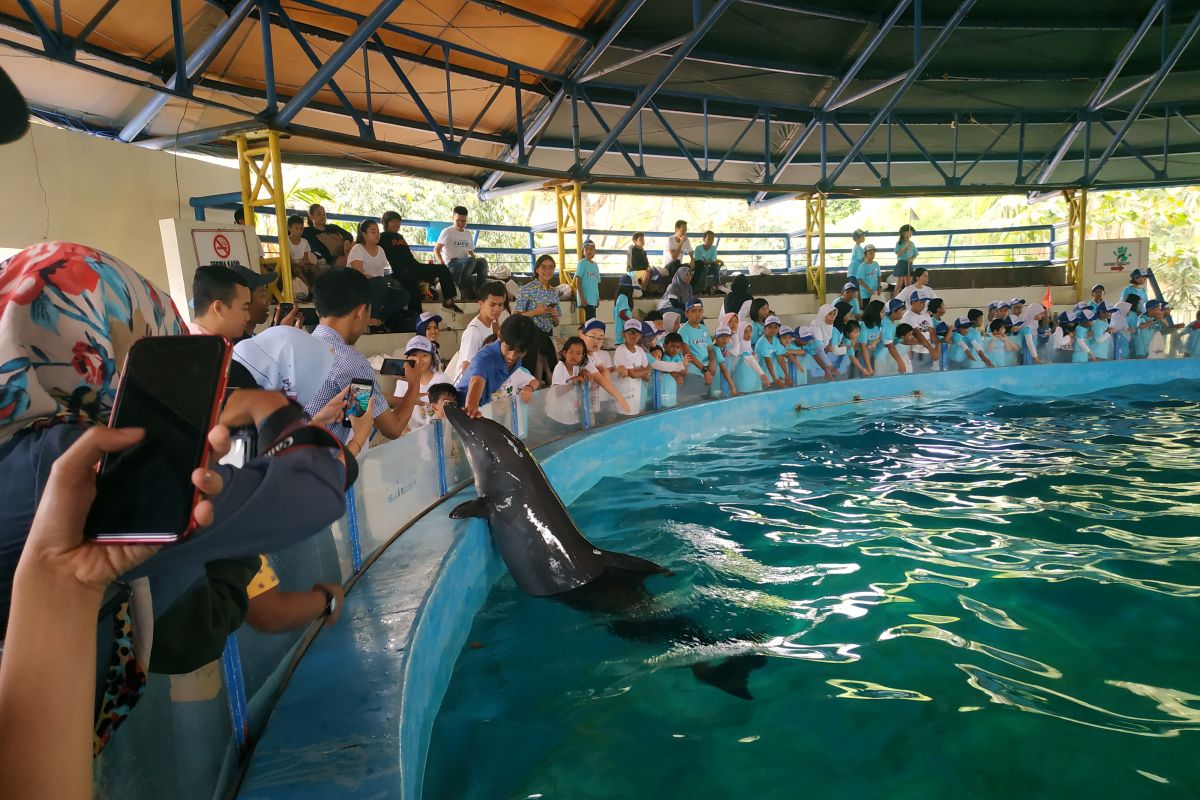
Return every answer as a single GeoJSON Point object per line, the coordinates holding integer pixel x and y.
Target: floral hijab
{"type": "Point", "coordinates": [68, 315]}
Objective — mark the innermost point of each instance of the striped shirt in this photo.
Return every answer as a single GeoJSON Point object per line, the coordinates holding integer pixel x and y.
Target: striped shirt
{"type": "Point", "coordinates": [348, 364]}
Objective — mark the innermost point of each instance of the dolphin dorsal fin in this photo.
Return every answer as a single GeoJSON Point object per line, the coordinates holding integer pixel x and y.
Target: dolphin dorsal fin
{"type": "Point", "coordinates": [479, 507]}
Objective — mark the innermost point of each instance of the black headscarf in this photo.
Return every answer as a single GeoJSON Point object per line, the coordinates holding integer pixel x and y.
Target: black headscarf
{"type": "Point", "coordinates": [739, 293]}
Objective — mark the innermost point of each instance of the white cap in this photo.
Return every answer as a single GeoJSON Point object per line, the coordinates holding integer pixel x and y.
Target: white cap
{"type": "Point", "coordinates": [633, 325]}
{"type": "Point", "coordinates": [723, 330]}
{"type": "Point", "coordinates": [868, 248]}
{"type": "Point", "coordinates": [418, 343]}
{"type": "Point", "coordinates": [772, 320]}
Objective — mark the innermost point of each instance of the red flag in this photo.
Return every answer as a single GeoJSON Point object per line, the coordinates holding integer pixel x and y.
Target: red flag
{"type": "Point", "coordinates": [1047, 301]}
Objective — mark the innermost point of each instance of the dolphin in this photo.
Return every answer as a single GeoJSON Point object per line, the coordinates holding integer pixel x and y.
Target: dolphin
{"type": "Point", "coordinates": [549, 557]}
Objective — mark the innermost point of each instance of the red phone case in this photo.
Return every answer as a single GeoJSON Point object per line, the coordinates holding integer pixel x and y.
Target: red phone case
{"type": "Point", "coordinates": [205, 454]}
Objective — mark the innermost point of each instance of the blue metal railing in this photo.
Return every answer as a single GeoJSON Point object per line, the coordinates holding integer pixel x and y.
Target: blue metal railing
{"type": "Point", "coordinates": [782, 252]}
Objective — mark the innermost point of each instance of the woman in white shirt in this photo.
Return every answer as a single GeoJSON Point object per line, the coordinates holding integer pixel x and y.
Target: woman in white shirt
{"type": "Point", "coordinates": [368, 258]}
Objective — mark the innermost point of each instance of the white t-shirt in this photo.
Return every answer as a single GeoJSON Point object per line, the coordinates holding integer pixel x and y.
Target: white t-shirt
{"type": "Point", "coordinates": [470, 344]}
{"type": "Point", "coordinates": [919, 322]}
{"type": "Point", "coordinates": [907, 292]}
{"type": "Point", "coordinates": [421, 415]}
{"type": "Point", "coordinates": [599, 357]}
{"type": "Point", "coordinates": [685, 249]}
{"type": "Point", "coordinates": [630, 360]}
{"type": "Point", "coordinates": [563, 374]}
{"type": "Point", "coordinates": [297, 252]}
{"type": "Point", "coordinates": [374, 266]}
{"type": "Point", "coordinates": [456, 243]}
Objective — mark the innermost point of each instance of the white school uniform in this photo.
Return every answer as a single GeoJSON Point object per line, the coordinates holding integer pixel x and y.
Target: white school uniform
{"type": "Point", "coordinates": [563, 374]}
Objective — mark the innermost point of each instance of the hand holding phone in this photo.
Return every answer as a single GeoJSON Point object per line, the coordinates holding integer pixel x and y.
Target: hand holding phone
{"type": "Point", "coordinates": [395, 366]}
{"type": "Point", "coordinates": [360, 395]}
{"type": "Point", "coordinates": [171, 386]}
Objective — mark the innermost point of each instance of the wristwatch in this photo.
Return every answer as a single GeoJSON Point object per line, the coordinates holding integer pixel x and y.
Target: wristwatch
{"type": "Point", "coordinates": [331, 603]}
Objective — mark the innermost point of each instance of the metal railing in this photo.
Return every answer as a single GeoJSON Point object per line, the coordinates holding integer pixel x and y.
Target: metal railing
{"type": "Point", "coordinates": [782, 252]}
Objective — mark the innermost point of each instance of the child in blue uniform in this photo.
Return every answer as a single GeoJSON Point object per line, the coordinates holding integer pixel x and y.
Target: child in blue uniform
{"type": "Point", "coordinates": [906, 254]}
{"type": "Point", "coordinates": [698, 349]}
{"type": "Point", "coordinates": [1101, 343]}
{"type": "Point", "coordinates": [858, 366]}
{"type": "Point", "coordinates": [770, 353]}
{"type": "Point", "coordinates": [868, 274]}
{"type": "Point", "coordinates": [960, 352]}
{"type": "Point", "coordinates": [1137, 288]}
{"type": "Point", "coordinates": [1097, 296]}
{"type": "Point", "coordinates": [587, 278]}
{"type": "Point", "coordinates": [856, 255]}
{"type": "Point", "coordinates": [1081, 350]}
{"type": "Point", "coordinates": [623, 306]}
{"type": "Point", "coordinates": [850, 298]}
{"type": "Point", "coordinates": [887, 358]}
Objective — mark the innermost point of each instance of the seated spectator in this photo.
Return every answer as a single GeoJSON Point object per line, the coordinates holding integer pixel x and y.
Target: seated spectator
{"type": "Point", "coordinates": [539, 300]}
{"type": "Point", "coordinates": [455, 248]}
{"type": "Point", "coordinates": [221, 303]}
{"type": "Point", "coordinates": [571, 361]}
{"type": "Point", "coordinates": [677, 252]}
{"type": "Point", "coordinates": [329, 243]}
{"type": "Point", "coordinates": [739, 295]}
{"type": "Point", "coordinates": [410, 272]}
{"type": "Point", "coordinates": [638, 265]}
{"type": "Point", "coordinates": [587, 280]}
{"type": "Point", "coordinates": [678, 292]}
{"type": "Point", "coordinates": [419, 352]}
{"type": "Point", "coordinates": [342, 297]}
{"type": "Point", "coordinates": [707, 266]}
{"type": "Point", "coordinates": [260, 297]}
{"type": "Point", "coordinates": [387, 298]}
{"type": "Point", "coordinates": [849, 296]}
{"type": "Point", "coordinates": [493, 296]}
{"type": "Point", "coordinates": [304, 262]}
{"type": "Point", "coordinates": [494, 364]}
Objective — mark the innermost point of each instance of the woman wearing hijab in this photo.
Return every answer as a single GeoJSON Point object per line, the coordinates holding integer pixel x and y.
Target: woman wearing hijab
{"type": "Point", "coordinates": [748, 374]}
{"type": "Point", "coordinates": [678, 292]}
{"type": "Point", "coordinates": [68, 315]}
{"type": "Point", "coordinates": [739, 295]}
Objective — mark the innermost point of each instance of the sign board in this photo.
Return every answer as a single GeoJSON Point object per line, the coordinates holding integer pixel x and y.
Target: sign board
{"type": "Point", "coordinates": [188, 244]}
{"type": "Point", "coordinates": [1118, 257]}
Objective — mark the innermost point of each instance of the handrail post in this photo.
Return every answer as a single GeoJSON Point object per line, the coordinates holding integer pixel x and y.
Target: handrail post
{"type": "Point", "coordinates": [585, 406]}
{"type": "Point", "coordinates": [656, 387]}
{"type": "Point", "coordinates": [439, 433]}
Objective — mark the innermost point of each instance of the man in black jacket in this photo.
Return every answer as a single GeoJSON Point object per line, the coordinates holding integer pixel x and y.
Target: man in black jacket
{"type": "Point", "coordinates": [409, 271]}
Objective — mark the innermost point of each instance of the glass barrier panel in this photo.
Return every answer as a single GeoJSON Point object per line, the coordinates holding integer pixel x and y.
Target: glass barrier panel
{"type": "Point", "coordinates": [693, 390]}
{"type": "Point", "coordinates": [174, 742]}
{"type": "Point", "coordinates": [458, 470]}
{"type": "Point", "coordinates": [554, 412]}
{"type": "Point", "coordinates": [396, 481]}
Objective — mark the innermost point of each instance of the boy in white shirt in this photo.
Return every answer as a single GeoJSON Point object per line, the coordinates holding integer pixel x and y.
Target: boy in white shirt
{"type": "Point", "coordinates": [678, 250]}
{"type": "Point", "coordinates": [485, 324]}
{"type": "Point", "coordinates": [632, 365]}
{"type": "Point", "coordinates": [456, 249]}
{"type": "Point", "coordinates": [926, 349]}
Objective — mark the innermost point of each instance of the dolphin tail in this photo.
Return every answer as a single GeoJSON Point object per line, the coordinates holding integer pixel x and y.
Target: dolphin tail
{"type": "Point", "coordinates": [730, 675]}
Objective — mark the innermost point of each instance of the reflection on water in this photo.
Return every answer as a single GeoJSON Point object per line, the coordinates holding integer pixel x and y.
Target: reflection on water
{"type": "Point", "coordinates": [1027, 571]}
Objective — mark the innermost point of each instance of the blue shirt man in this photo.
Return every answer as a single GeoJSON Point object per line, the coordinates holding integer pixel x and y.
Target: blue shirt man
{"type": "Point", "coordinates": [489, 364]}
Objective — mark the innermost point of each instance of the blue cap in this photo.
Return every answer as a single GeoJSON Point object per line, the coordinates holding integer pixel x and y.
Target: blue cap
{"type": "Point", "coordinates": [850, 285]}
{"type": "Point", "coordinates": [692, 303]}
{"type": "Point", "coordinates": [962, 322]}
{"type": "Point", "coordinates": [918, 297]}
{"type": "Point", "coordinates": [424, 320]}
{"type": "Point", "coordinates": [1085, 315]}
{"type": "Point", "coordinates": [593, 325]}
{"type": "Point", "coordinates": [1017, 323]}
{"type": "Point", "coordinates": [1003, 304]}
{"type": "Point", "coordinates": [1016, 301]}
{"type": "Point", "coordinates": [1153, 304]}
{"type": "Point", "coordinates": [1105, 308]}
{"type": "Point", "coordinates": [804, 334]}
{"type": "Point", "coordinates": [786, 331]}
{"type": "Point", "coordinates": [1064, 317]}
{"type": "Point", "coordinates": [772, 320]}
{"type": "Point", "coordinates": [1098, 286]}
{"type": "Point", "coordinates": [625, 280]}
{"type": "Point", "coordinates": [894, 305]}
{"type": "Point", "coordinates": [1082, 304]}
{"type": "Point", "coordinates": [1137, 273]}
{"type": "Point", "coordinates": [648, 329]}
{"type": "Point", "coordinates": [589, 243]}
{"type": "Point", "coordinates": [992, 306]}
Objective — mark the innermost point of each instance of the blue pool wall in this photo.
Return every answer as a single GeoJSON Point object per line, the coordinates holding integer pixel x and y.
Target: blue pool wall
{"type": "Point", "coordinates": [461, 572]}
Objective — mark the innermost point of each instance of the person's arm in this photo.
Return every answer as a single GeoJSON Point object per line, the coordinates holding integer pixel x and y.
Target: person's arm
{"type": "Point", "coordinates": [48, 673]}
{"type": "Point", "coordinates": [392, 422]}
{"type": "Point", "coordinates": [728, 380]}
{"type": "Point", "coordinates": [474, 394]}
{"type": "Point", "coordinates": [276, 611]}
{"type": "Point", "coordinates": [891, 346]}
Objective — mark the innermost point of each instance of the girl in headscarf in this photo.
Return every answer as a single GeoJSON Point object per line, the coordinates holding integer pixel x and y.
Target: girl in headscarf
{"type": "Point", "coordinates": [826, 333]}
{"type": "Point", "coordinates": [739, 295]}
{"type": "Point", "coordinates": [678, 292]}
{"type": "Point", "coordinates": [748, 374]}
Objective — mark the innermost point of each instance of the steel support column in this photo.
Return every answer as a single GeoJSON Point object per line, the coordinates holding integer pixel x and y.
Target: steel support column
{"type": "Point", "coordinates": [194, 64]}
{"type": "Point", "coordinates": [814, 228]}
{"type": "Point", "coordinates": [569, 204]}
{"type": "Point", "coordinates": [1076, 236]}
{"type": "Point", "coordinates": [261, 169]}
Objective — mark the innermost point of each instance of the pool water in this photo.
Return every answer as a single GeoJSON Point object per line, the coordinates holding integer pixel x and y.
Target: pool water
{"type": "Point", "coordinates": [994, 597]}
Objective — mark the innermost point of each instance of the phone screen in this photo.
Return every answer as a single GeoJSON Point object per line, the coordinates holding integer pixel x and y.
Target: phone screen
{"type": "Point", "coordinates": [360, 395]}
{"type": "Point", "coordinates": [170, 386]}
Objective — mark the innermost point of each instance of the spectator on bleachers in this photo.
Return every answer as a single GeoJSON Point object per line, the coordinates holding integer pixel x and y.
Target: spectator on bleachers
{"type": "Point", "coordinates": [868, 274]}
{"type": "Point", "coordinates": [486, 323]}
{"type": "Point", "coordinates": [854, 268]}
{"type": "Point", "coordinates": [419, 352]}
{"type": "Point", "coordinates": [849, 296]}
{"type": "Point", "coordinates": [366, 256]}
{"type": "Point", "coordinates": [623, 304]}
{"type": "Point", "coordinates": [587, 280]}
{"type": "Point", "coordinates": [455, 248]}
{"type": "Point", "coordinates": [707, 266]}
{"type": "Point", "coordinates": [539, 300]}
{"type": "Point", "coordinates": [698, 347]}
{"type": "Point", "coordinates": [410, 272]}
{"type": "Point", "coordinates": [1136, 288]}
{"type": "Point", "coordinates": [330, 243]}
{"type": "Point", "coordinates": [678, 292]}
{"type": "Point", "coordinates": [304, 262]}
{"type": "Point", "coordinates": [906, 253]}
{"type": "Point", "coordinates": [920, 283]}
{"type": "Point", "coordinates": [759, 310]}
{"type": "Point", "coordinates": [429, 326]}
{"type": "Point", "coordinates": [739, 294]}
{"type": "Point", "coordinates": [672, 319]}
{"type": "Point", "coordinates": [637, 264]}
{"type": "Point", "coordinates": [260, 296]}
{"type": "Point", "coordinates": [220, 301]}
{"type": "Point", "coordinates": [653, 330]}
{"type": "Point", "coordinates": [677, 252]}
{"type": "Point", "coordinates": [493, 365]}
{"type": "Point", "coordinates": [1097, 296]}
{"type": "Point", "coordinates": [342, 297]}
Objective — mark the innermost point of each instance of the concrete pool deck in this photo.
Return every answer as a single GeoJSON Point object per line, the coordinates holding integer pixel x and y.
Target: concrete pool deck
{"type": "Point", "coordinates": [355, 718]}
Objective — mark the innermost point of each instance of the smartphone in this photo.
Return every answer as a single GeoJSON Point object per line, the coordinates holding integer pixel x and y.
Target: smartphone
{"type": "Point", "coordinates": [393, 366]}
{"type": "Point", "coordinates": [356, 401]}
{"type": "Point", "coordinates": [172, 386]}
{"type": "Point", "coordinates": [282, 310]}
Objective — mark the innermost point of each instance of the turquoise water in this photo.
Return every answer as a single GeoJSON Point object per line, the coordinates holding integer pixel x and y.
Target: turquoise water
{"type": "Point", "coordinates": [995, 597]}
